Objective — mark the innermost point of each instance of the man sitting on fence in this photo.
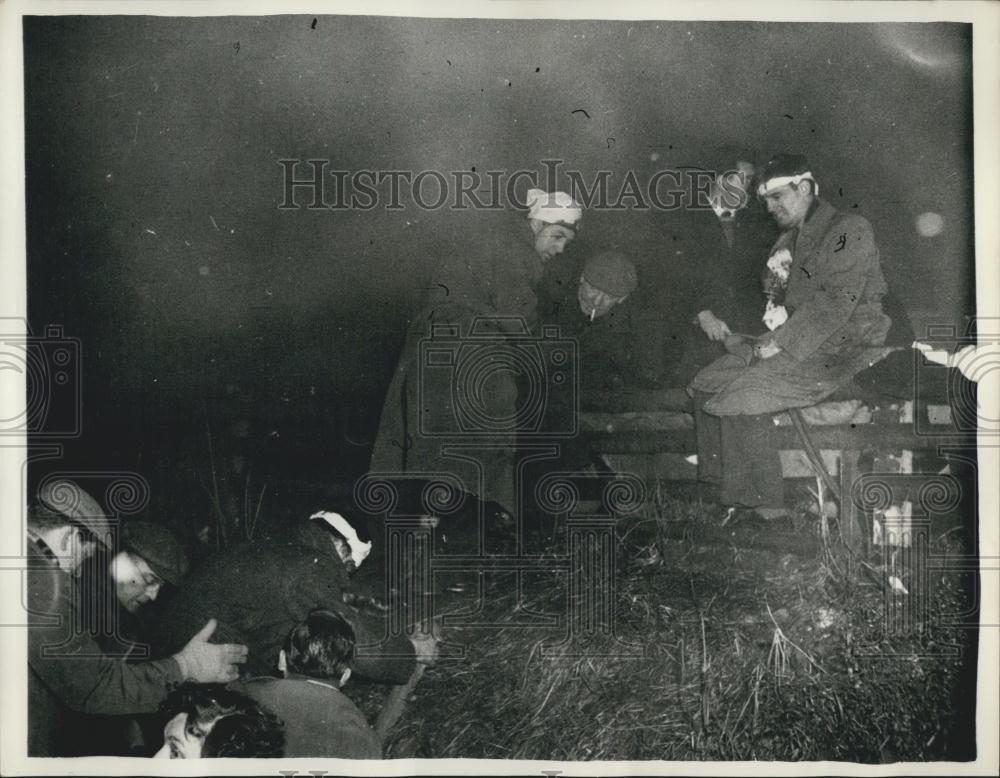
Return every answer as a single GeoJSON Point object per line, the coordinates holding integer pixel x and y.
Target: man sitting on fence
{"type": "Point", "coordinates": [824, 290]}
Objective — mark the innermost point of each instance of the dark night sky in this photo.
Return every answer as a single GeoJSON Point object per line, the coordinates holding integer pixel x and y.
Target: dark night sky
{"type": "Point", "coordinates": [143, 125]}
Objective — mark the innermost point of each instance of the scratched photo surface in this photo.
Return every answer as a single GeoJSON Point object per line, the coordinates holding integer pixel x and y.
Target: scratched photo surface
{"type": "Point", "coordinates": [273, 250]}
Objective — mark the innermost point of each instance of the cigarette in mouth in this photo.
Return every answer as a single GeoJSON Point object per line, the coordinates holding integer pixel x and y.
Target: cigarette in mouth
{"type": "Point", "coordinates": [592, 312]}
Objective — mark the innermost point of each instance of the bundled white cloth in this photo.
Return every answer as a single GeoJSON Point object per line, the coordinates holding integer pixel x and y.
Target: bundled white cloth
{"type": "Point", "coordinates": [974, 362]}
{"type": "Point", "coordinates": [553, 207]}
{"type": "Point", "coordinates": [359, 549]}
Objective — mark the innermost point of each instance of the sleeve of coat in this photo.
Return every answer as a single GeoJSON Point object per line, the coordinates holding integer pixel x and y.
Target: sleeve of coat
{"type": "Point", "coordinates": [378, 656]}
{"type": "Point", "coordinates": [72, 666]}
{"type": "Point", "coordinates": [513, 296]}
{"type": "Point", "coordinates": [710, 282]}
{"type": "Point", "coordinates": [844, 268]}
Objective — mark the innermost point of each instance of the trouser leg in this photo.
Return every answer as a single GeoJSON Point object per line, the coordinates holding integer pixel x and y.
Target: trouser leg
{"type": "Point", "coordinates": [708, 435]}
{"type": "Point", "coordinates": [751, 471]}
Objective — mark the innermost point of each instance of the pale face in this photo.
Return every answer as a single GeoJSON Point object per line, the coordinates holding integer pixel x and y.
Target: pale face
{"type": "Point", "coordinates": [789, 204]}
{"type": "Point", "coordinates": [135, 582]}
{"type": "Point", "coordinates": [593, 302]}
{"type": "Point", "coordinates": [181, 741]}
{"type": "Point", "coordinates": [550, 239]}
{"type": "Point", "coordinates": [344, 552]}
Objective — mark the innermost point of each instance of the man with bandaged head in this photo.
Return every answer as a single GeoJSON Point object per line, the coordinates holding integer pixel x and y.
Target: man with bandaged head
{"type": "Point", "coordinates": [259, 590]}
{"type": "Point", "coordinates": [482, 297]}
{"type": "Point", "coordinates": [823, 309]}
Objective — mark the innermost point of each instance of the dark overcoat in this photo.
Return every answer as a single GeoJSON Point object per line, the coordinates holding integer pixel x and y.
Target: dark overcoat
{"type": "Point", "coordinates": [320, 721]}
{"type": "Point", "coordinates": [68, 673]}
{"type": "Point", "coordinates": [258, 591]}
{"type": "Point", "coordinates": [434, 403]}
{"type": "Point", "coordinates": [703, 269]}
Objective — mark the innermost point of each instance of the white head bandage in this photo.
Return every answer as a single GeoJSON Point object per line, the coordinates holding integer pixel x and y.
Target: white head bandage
{"type": "Point", "coordinates": [359, 550]}
{"type": "Point", "coordinates": [777, 182]}
{"type": "Point", "coordinates": [553, 207]}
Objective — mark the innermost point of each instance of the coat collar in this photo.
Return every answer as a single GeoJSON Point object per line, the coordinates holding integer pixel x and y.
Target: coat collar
{"type": "Point", "coordinates": [313, 681]}
{"type": "Point", "coordinates": [42, 547]}
{"type": "Point", "coordinates": [290, 677]}
{"type": "Point", "coordinates": [817, 222]}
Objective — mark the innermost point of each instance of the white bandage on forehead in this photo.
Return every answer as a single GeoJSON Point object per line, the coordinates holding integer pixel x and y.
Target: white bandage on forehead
{"type": "Point", "coordinates": [553, 207]}
{"type": "Point", "coordinates": [359, 550]}
{"type": "Point", "coordinates": [766, 187]}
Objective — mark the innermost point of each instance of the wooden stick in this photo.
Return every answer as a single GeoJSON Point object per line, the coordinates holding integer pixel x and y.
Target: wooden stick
{"type": "Point", "coordinates": [817, 462]}
{"type": "Point", "coordinates": [395, 702]}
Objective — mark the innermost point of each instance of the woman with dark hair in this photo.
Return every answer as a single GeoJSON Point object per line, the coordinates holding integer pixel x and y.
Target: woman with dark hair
{"type": "Point", "coordinates": [212, 721]}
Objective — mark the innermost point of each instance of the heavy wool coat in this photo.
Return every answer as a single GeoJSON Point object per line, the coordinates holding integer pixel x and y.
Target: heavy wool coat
{"type": "Point", "coordinates": [724, 277]}
{"type": "Point", "coordinates": [258, 591]}
{"type": "Point", "coordinates": [68, 673]}
{"type": "Point", "coordinates": [320, 721]}
{"type": "Point", "coordinates": [706, 269]}
{"type": "Point", "coordinates": [836, 325]}
{"type": "Point", "coordinates": [428, 403]}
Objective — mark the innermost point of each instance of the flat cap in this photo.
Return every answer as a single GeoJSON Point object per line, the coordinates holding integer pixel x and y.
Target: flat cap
{"type": "Point", "coordinates": [68, 498]}
{"type": "Point", "coordinates": [611, 272]}
{"type": "Point", "coordinates": [159, 547]}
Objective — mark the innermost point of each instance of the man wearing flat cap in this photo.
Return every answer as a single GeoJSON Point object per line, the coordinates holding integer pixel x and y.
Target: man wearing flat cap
{"type": "Point", "coordinates": [823, 306]}
{"type": "Point", "coordinates": [68, 672]}
{"type": "Point", "coordinates": [593, 303]}
{"type": "Point", "coordinates": [117, 591]}
{"type": "Point", "coordinates": [593, 306]}
{"type": "Point", "coordinates": [607, 279]}
{"type": "Point", "coordinates": [613, 342]}
{"type": "Point", "coordinates": [482, 296]}
{"type": "Point", "coordinates": [150, 557]}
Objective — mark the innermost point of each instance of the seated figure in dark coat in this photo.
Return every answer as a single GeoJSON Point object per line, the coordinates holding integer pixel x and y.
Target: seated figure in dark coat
{"type": "Point", "coordinates": [824, 310]}
{"type": "Point", "coordinates": [715, 250]}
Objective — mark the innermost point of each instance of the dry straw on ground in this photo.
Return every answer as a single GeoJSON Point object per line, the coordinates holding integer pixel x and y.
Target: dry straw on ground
{"type": "Point", "coordinates": [746, 652]}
